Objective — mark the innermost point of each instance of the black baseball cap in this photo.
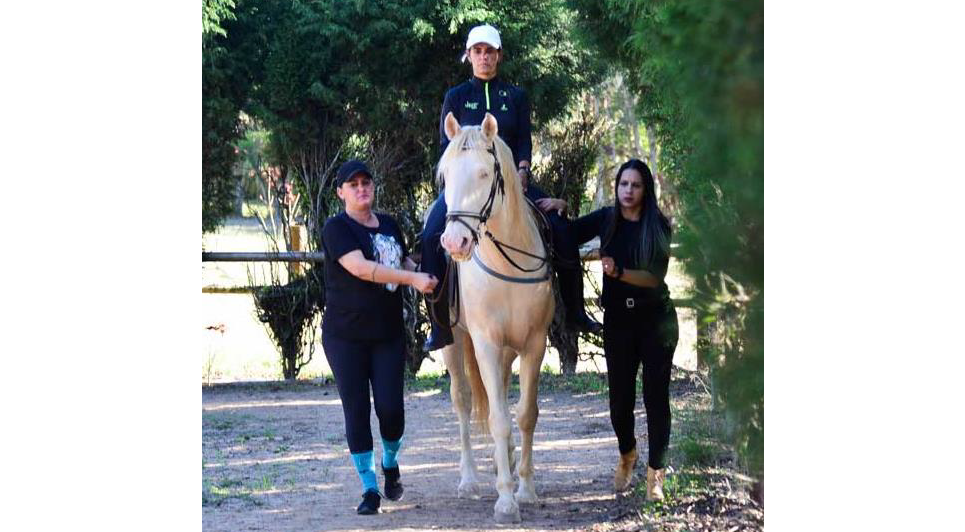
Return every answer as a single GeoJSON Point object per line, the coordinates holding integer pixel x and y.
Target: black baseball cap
{"type": "Point", "coordinates": [349, 169]}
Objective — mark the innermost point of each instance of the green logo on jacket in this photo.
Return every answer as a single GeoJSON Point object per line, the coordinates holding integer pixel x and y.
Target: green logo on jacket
{"type": "Point", "coordinates": [472, 105]}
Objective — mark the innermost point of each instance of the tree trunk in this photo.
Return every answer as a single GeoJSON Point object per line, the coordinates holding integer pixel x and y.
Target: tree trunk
{"type": "Point", "coordinates": [631, 118]}
{"type": "Point", "coordinates": [289, 362]}
{"type": "Point", "coordinates": [652, 145]}
{"type": "Point", "coordinates": [569, 352]}
{"type": "Point", "coordinates": [240, 194]}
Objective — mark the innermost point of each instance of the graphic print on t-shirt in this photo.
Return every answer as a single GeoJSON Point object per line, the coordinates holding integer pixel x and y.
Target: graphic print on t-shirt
{"type": "Point", "coordinates": [388, 253]}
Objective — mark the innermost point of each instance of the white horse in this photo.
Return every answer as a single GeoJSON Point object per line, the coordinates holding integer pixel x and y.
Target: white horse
{"type": "Point", "coordinates": [506, 304]}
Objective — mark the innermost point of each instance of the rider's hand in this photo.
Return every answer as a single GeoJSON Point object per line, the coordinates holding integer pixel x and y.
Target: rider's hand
{"type": "Point", "coordinates": [549, 204]}
{"type": "Point", "coordinates": [523, 173]}
{"type": "Point", "coordinates": [609, 266]}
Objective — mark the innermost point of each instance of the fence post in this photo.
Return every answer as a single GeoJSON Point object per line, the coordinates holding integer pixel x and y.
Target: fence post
{"type": "Point", "coordinates": [296, 233]}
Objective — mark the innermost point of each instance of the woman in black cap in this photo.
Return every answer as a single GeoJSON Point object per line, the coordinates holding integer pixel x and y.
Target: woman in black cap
{"type": "Point", "coordinates": [639, 319]}
{"type": "Point", "coordinates": [469, 102]}
{"type": "Point", "coordinates": [362, 330]}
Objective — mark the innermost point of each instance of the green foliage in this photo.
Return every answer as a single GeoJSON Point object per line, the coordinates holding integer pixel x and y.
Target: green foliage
{"type": "Point", "coordinates": [213, 12]}
{"type": "Point", "coordinates": [317, 74]}
{"type": "Point", "coordinates": [219, 130]}
{"type": "Point", "coordinates": [574, 140]}
{"type": "Point", "coordinates": [223, 92]}
{"type": "Point", "coordinates": [288, 312]}
{"type": "Point", "coordinates": [250, 150]}
{"type": "Point", "coordinates": [697, 69]}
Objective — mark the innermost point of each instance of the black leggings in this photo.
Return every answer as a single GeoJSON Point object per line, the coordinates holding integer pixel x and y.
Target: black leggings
{"type": "Point", "coordinates": [629, 339]}
{"type": "Point", "coordinates": [354, 365]}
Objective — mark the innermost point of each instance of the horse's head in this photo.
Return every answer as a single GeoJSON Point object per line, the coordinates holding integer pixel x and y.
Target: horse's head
{"type": "Point", "coordinates": [473, 192]}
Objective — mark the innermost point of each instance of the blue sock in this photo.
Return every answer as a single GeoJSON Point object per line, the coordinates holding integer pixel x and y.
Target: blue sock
{"type": "Point", "coordinates": [364, 467]}
{"type": "Point", "coordinates": [390, 452]}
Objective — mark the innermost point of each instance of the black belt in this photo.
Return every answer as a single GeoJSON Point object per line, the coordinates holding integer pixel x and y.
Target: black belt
{"type": "Point", "coordinates": [634, 303]}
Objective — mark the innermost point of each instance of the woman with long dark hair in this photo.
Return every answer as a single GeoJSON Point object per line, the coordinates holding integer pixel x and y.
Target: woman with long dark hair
{"type": "Point", "coordinates": [639, 319]}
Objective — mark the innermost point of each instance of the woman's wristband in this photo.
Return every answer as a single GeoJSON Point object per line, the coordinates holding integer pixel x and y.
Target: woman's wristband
{"type": "Point", "coordinates": [619, 271]}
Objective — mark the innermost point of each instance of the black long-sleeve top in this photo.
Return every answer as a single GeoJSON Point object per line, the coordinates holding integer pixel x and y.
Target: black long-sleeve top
{"type": "Point", "coordinates": [623, 248]}
{"type": "Point", "coordinates": [470, 101]}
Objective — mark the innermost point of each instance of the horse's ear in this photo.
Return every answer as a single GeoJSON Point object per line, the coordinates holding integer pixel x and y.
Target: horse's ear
{"type": "Point", "coordinates": [452, 126]}
{"type": "Point", "coordinates": [489, 127]}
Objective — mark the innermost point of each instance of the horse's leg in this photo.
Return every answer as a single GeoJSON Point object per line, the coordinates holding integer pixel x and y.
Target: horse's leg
{"type": "Point", "coordinates": [527, 410]}
{"type": "Point", "coordinates": [508, 356]}
{"type": "Point", "coordinates": [461, 395]}
{"type": "Point", "coordinates": [489, 357]}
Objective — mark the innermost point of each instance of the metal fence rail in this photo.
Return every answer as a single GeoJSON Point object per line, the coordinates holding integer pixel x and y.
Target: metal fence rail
{"type": "Point", "coordinates": [262, 256]}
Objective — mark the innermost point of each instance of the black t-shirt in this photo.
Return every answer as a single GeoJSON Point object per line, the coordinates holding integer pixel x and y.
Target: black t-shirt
{"type": "Point", "coordinates": [356, 309]}
{"type": "Point", "coordinates": [470, 101]}
{"type": "Point", "coordinates": [623, 248]}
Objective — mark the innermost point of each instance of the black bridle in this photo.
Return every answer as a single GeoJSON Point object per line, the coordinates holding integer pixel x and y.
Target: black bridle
{"type": "Point", "coordinates": [498, 189]}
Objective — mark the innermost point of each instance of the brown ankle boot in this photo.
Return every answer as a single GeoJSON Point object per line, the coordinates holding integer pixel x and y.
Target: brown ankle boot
{"type": "Point", "coordinates": [655, 478]}
{"type": "Point", "coordinates": [621, 478]}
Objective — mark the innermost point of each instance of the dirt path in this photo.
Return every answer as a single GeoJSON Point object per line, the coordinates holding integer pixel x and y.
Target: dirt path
{"type": "Point", "coordinates": [274, 458]}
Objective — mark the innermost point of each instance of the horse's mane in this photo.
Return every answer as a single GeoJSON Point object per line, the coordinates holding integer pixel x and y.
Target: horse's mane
{"type": "Point", "coordinates": [517, 210]}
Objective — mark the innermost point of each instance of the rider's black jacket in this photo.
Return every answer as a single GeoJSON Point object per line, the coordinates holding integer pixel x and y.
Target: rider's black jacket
{"type": "Point", "coordinates": [470, 101]}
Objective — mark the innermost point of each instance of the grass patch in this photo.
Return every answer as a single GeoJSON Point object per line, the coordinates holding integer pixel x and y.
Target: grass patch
{"type": "Point", "coordinates": [579, 383]}
{"type": "Point", "coordinates": [427, 381]}
{"type": "Point", "coordinates": [698, 436]}
{"type": "Point", "coordinates": [266, 483]}
{"type": "Point", "coordinates": [267, 435]}
{"type": "Point", "coordinates": [224, 421]}
{"type": "Point", "coordinates": [226, 489]}
{"type": "Point", "coordinates": [549, 381]}
{"type": "Point", "coordinates": [679, 487]}
{"type": "Point", "coordinates": [226, 290]}
{"type": "Point", "coordinates": [696, 452]}
{"type": "Point", "coordinates": [223, 424]}
{"type": "Point", "coordinates": [279, 385]}
{"type": "Point", "coordinates": [226, 483]}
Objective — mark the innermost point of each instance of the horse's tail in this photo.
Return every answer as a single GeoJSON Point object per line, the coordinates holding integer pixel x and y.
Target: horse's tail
{"type": "Point", "coordinates": [480, 401]}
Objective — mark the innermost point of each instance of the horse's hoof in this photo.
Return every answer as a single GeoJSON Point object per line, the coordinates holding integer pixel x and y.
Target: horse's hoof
{"type": "Point", "coordinates": [504, 518]}
{"type": "Point", "coordinates": [506, 510]}
{"type": "Point", "coordinates": [526, 497]}
{"type": "Point", "coordinates": [468, 490]}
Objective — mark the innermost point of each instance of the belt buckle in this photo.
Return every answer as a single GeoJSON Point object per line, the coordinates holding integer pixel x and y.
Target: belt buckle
{"type": "Point", "coordinates": [630, 302]}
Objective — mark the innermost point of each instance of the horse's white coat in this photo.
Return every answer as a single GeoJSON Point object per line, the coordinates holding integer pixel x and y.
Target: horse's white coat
{"type": "Point", "coordinates": [498, 320]}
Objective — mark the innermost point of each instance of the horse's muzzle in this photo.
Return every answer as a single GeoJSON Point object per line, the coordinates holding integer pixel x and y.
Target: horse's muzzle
{"type": "Point", "coordinates": [458, 241]}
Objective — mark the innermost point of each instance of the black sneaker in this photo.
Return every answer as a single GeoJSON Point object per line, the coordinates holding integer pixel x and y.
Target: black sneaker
{"type": "Point", "coordinates": [393, 487]}
{"type": "Point", "coordinates": [371, 501]}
